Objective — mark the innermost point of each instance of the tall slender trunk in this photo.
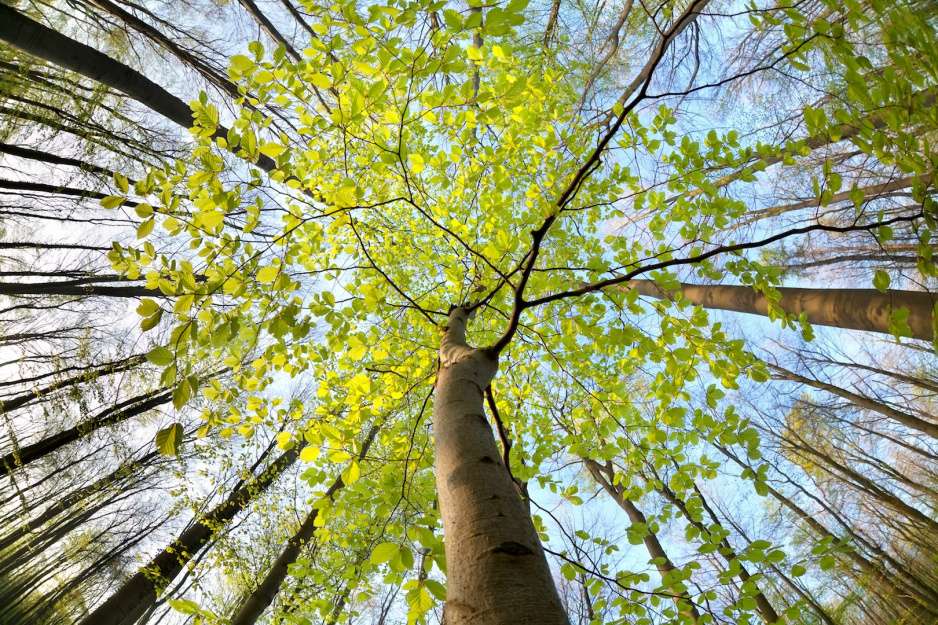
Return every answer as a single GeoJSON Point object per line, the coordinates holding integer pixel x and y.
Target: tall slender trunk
{"type": "Point", "coordinates": [112, 368]}
{"type": "Point", "coordinates": [766, 611]}
{"type": "Point", "coordinates": [851, 309]}
{"type": "Point", "coordinates": [910, 421]}
{"type": "Point", "coordinates": [845, 131]}
{"type": "Point", "coordinates": [126, 605]}
{"type": "Point", "coordinates": [167, 43]}
{"type": "Point", "coordinates": [31, 37]}
{"type": "Point", "coordinates": [54, 159]}
{"type": "Point", "coordinates": [896, 593]}
{"type": "Point", "coordinates": [268, 27]}
{"type": "Point", "coordinates": [83, 287]}
{"type": "Point", "coordinates": [864, 485]}
{"type": "Point", "coordinates": [266, 592]}
{"type": "Point", "coordinates": [666, 568]}
{"type": "Point", "coordinates": [29, 186]}
{"type": "Point", "coordinates": [36, 245]}
{"type": "Point", "coordinates": [497, 573]}
{"type": "Point", "coordinates": [115, 414]}
{"type": "Point", "coordinates": [819, 610]}
{"type": "Point", "coordinates": [74, 498]}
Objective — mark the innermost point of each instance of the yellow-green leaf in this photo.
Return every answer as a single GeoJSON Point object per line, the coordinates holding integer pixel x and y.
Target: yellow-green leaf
{"type": "Point", "coordinates": [169, 439]}
{"type": "Point", "coordinates": [266, 275]}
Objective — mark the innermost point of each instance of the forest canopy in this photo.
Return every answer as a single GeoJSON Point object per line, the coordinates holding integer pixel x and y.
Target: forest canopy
{"type": "Point", "coordinates": [527, 311]}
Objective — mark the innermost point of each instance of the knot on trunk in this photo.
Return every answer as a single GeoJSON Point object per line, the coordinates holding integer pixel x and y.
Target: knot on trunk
{"type": "Point", "coordinates": [512, 548]}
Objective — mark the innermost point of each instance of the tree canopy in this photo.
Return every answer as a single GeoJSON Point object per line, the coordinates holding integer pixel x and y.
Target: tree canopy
{"type": "Point", "coordinates": [459, 264]}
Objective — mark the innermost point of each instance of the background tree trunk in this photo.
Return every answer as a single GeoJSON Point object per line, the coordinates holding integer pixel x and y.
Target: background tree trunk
{"type": "Point", "coordinates": [851, 309]}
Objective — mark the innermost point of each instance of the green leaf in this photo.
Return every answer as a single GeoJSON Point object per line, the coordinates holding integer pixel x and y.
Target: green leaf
{"type": "Point", "coordinates": [516, 6]}
{"type": "Point", "coordinates": [145, 228]}
{"type": "Point", "coordinates": [266, 275]}
{"type": "Point", "coordinates": [211, 219]}
{"type": "Point", "coordinates": [121, 182]}
{"type": "Point", "coordinates": [419, 600]}
{"type": "Point", "coordinates": [407, 558]}
{"type": "Point", "coordinates": [147, 307]}
{"type": "Point", "coordinates": [161, 356]}
{"type": "Point", "coordinates": [273, 150]}
{"type": "Point", "coordinates": [143, 210]}
{"type": "Point", "coordinates": [152, 321]}
{"type": "Point", "coordinates": [436, 589]}
{"type": "Point", "coordinates": [827, 562]}
{"type": "Point", "coordinates": [338, 456]}
{"type": "Point", "coordinates": [352, 473]}
{"type": "Point", "coordinates": [384, 552]}
{"type": "Point", "coordinates": [113, 201]}
{"type": "Point", "coordinates": [881, 280]}
{"type": "Point", "coordinates": [263, 77]}
{"type": "Point", "coordinates": [169, 439]}
{"type": "Point", "coordinates": [181, 394]}
{"type": "Point", "coordinates": [309, 453]}
{"type": "Point", "coordinates": [320, 80]}
{"type": "Point", "coordinates": [242, 63]}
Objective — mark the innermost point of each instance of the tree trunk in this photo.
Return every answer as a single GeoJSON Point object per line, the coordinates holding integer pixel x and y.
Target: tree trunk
{"type": "Point", "coordinates": [497, 573]}
{"type": "Point", "coordinates": [54, 159]}
{"type": "Point", "coordinates": [186, 57]}
{"type": "Point", "coordinates": [130, 601]}
{"type": "Point", "coordinates": [120, 412]}
{"type": "Point", "coordinates": [851, 309]}
{"type": "Point", "coordinates": [40, 41]}
{"type": "Point", "coordinates": [267, 26]}
{"type": "Point", "coordinates": [892, 591]}
{"type": "Point", "coordinates": [38, 187]}
{"type": "Point", "coordinates": [49, 45]}
{"type": "Point", "coordinates": [666, 568]}
{"type": "Point", "coordinates": [766, 611]}
{"type": "Point", "coordinates": [83, 287]}
{"type": "Point", "coordinates": [910, 421]}
{"type": "Point", "coordinates": [24, 399]}
{"type": "Point", "coordinates": [266, 592]}
{"type": "Point", "coordinates": [74, 499]}
{"type": "Point", "coordinates": [845, 131]}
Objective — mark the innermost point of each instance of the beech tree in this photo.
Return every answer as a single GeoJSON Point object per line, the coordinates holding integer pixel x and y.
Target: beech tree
{"type": "Point", "coordinates": [491, 234]}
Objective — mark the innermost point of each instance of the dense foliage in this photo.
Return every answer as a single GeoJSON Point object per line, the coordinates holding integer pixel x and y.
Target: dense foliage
{"type": "Point", "coordinates": [577, 180]}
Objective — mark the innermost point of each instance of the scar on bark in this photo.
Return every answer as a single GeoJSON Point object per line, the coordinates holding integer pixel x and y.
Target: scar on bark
{"type": "Point", "coordinates": [512, 548]}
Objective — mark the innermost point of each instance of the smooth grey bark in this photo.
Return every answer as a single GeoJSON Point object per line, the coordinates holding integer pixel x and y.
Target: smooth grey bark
{"type": "Point", "coordinates": [40, 41]}
{"type": "Point", "coordinates": [133, 598]}
{"type": "Point", "coordinates": [766, 610]}
{"type": "Point", "coordinates": [497, 573]}
{"type": "Point", "coordinates": [895, 592]}
{"type": "Point", "coordinates": [844, 132]}
{"type": "Point", "coordinates": [268, 27]}
{"type": "Point", "coordinates": [82, 287]}
{"type": "Point", "coordinates": [682, 599]}
{"type": "Point", "coordinates": [74, 498]}
{"type": "Point", "coordinates": [35, 245]}
{"type": "Point", "coordinates": [910, 421]}
{"type": "Point", "coordinates": [153, 34]}
{"type": "Point", "coordinates": [851, 309]}
{"type": "Point", "coordinates": [53, 159]}
{"type": "Point", "coordinates": [262, 596]}
{"type": "Point", "coordinates": [38, 187]}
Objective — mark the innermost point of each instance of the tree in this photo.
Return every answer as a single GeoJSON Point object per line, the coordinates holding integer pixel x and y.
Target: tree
{"type": "Point", "coordinates": [465, 203]}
